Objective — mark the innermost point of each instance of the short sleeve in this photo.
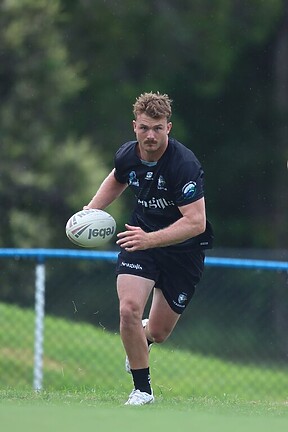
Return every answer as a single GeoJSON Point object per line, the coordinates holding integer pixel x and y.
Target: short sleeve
{"type": "Point", "coordinates": [189, 185]}
{"type": "Point", "coordinates": [119, 164]}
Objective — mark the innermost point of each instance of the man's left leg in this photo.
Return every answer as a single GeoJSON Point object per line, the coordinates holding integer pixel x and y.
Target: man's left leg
{"type": "Point", "coordinates": [162, 319]}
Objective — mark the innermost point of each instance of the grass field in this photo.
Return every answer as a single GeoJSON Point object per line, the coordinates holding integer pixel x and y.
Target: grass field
{"type": "Point", "coordinates": [54, 411]}
{"type": "Point", "coordinates": [80, 392]}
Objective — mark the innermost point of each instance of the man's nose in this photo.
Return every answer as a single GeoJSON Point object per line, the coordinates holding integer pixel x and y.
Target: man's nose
{"type": "Point", "coordinates": [151, 133]}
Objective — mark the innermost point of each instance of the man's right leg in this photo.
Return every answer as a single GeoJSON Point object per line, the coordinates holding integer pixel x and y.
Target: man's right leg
{"type": "Point", "coordinates": [149, 343]}
{"type": "Point", "coordinates": [133, 292]}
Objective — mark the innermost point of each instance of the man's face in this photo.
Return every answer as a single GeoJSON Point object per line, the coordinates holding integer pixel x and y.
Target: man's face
{"type": "Point", "coordinates": [152, 136]}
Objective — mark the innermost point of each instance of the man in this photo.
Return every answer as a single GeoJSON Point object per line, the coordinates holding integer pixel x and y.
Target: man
{"type": "Point", "coordinates": [162, 246]}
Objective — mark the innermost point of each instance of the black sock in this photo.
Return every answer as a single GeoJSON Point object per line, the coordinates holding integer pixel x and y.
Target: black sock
{"type": "Point", "coordinates": [149, 342]}
{"type": "Point", "coordinates": [141, 378]}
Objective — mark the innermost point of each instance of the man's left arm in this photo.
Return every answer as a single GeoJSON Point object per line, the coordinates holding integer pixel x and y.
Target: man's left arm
{"type": "Point", "coordinates": [191, 224]}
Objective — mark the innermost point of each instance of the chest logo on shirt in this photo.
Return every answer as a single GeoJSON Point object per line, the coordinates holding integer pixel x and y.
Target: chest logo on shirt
{"type": "Point", "coordinates": [189, 190]}
{"type": "Point", "coordinates": [132, 179]}
{"type": "Point", "coordinates": [149, 175]}
{"type": "Point", "coordinates": [161, 183]}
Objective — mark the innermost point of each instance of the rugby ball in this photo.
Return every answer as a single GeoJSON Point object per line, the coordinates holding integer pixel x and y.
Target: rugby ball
{"type": "Point", "coordinates": [90, 228]}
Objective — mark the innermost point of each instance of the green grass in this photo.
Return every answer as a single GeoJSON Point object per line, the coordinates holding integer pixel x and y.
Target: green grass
{"type": "Point", "coordinates": [81, 356]}
{"type": "Point", "coordinates": [85, 386]}
{"type": "Point", "coordinates": [82, 410]}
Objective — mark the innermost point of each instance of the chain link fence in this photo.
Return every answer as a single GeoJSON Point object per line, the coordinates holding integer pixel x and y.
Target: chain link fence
{"type": "Point", "coordinates": [232, 339]}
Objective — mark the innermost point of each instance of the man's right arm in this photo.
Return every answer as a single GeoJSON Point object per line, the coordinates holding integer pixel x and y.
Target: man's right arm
{"type": "Point", "coordinates": [109, 190]}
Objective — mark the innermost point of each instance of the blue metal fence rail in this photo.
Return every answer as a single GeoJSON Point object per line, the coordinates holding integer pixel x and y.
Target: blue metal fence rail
{"type": "Point", "coordinates": [42, 254]}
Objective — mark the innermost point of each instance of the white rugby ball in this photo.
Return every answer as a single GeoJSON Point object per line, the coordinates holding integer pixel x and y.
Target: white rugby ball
{"type": "Point", "coordinates": [90, 228]}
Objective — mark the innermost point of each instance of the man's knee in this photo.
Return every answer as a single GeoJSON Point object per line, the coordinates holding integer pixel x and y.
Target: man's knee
{"type": "Point", "coordinates": [158, 335]}
{"type": "Point", "coordinates": [129, 312]}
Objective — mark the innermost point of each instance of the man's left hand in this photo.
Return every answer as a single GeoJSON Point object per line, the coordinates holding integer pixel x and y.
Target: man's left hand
{"type": "Point", "coordinates": [134, 238]}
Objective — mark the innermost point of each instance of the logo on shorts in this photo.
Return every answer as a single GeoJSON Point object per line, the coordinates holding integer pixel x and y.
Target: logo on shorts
{"type": "Point", "coordinates": [182, 298]}
{"type": "Point", "coordinates": [131, 265]}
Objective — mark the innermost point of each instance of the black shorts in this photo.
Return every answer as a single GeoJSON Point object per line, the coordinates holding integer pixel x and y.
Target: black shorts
{"type": "Point", "coordinates": [176, 274]}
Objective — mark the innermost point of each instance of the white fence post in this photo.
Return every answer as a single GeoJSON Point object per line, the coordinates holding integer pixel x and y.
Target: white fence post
{"type": "Point", "coordinates": [39, 325]}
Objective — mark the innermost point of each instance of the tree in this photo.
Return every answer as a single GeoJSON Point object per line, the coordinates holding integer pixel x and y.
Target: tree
{"type": "Point", "coordinates": [214, 60]}
{"type": "Point", "coordinates": [70, 73]}
{"type": "Point", "coordinates": [281, 131]}
{"type": "Point", "coordinates": [46, 173]}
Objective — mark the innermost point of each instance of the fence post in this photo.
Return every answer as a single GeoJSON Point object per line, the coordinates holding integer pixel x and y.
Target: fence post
{"type": "Point", "coordinates": [39, 325]}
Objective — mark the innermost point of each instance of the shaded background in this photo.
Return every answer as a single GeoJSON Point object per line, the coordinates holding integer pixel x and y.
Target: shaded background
{"type": "Point", "coordinates": [70, 71]}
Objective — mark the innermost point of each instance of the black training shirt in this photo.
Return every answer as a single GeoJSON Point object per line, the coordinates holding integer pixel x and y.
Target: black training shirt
{"type": "Point", "coordinates": [176, 179]}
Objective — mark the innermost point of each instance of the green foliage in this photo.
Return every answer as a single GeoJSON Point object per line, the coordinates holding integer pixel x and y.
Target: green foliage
{"type": "Point", "coordinates": [70, 72]}
{"type": "Point", "coordinates": [37, 79]}
{"type": "Point", "coordinates": [37, 74]}
{"type": "Point", "coordinates": [46, 174]}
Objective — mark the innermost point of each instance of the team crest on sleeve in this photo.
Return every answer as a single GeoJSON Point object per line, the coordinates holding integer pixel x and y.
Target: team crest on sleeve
{"type": "Point", "coordinates": [132, 179]}
{"type": "Point", "coordinates": [189, 190]}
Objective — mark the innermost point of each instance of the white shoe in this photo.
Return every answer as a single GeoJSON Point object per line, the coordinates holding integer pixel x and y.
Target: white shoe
{"type": "Point", "coordinates": [127, 364]}
{"type": "Point", "coordinates": [137, 397]}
